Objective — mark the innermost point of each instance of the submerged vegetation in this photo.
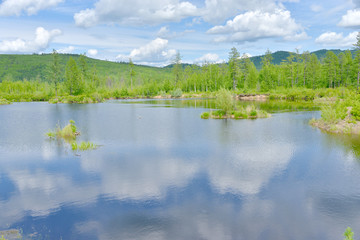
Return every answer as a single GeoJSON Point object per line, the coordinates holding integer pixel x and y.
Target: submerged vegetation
{"type": "Point", "coordinates": [226, 104]}
{"type": "Point", "coordinates": [69, 134]}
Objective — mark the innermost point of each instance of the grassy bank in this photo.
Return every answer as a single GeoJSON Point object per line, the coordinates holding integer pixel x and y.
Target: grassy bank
{"type": "Point", "coordinates": [340, 115]}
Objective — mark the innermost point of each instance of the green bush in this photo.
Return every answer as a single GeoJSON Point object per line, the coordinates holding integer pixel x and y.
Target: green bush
{"type": "Point", "coordinates": [176, 93]}
{"type": "Point", "coordinates": [224, 100]}
{"type": "Point", "coordinates": [205, 115]}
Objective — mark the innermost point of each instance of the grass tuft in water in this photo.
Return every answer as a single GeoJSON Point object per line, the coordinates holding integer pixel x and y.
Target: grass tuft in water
{"type": "Point", "coordinates": [83, 146]}
{"type": "Point", "coordinates": [68, 132]}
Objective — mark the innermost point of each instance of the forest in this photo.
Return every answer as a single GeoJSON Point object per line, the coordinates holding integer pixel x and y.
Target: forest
{"type": "Point", "coordinates": [76, 78]}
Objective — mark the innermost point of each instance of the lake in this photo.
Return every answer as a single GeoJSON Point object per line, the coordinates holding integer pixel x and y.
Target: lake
{"type": "Point", "coordinates": [162, 172]}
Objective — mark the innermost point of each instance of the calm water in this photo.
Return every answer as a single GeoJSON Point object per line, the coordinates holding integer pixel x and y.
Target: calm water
{"type": "Point", "coordinates": [162, 172]}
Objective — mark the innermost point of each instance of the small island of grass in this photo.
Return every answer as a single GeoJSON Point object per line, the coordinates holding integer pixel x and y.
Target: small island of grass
{"type": "Point", "coordinates": [69, 134]}
{"type": "Point", "coordinates": [226, 104]}
{"type": "Point", "coordinates": [341, 116]}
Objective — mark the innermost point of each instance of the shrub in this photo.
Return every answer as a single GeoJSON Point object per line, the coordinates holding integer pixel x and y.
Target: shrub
{"type": "Point", "coordinates": [224, 100]}
{"type": "Point", "coordinates": [205, 115]}
{"type": "Point", "coordinates": [176, 93]}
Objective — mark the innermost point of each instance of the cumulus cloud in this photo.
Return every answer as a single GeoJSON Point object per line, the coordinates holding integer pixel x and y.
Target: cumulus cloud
{"type": "Point", "coordinates": [155, 52]}
{"type": "Point", "coordinates": [138, 12]}
{"type": "Point", "coordinates": [146, 12]}
{"type": "Point", "coordinates": [30, 7]}
{"type": "Point", "coordinates": [92, 52]}
{"type": "Point", "coordinates": [254, 25]}
{"type": "Point", "coordinates": [41, 42]}
{"type": "Point", "coordinates": [209, 57]}
{"type": "Point", "coordinates": [334, 39]}
{"type": "Point", "coordinates": [351, 19]}
{"type": "Point", "coordinates": [68, 49]}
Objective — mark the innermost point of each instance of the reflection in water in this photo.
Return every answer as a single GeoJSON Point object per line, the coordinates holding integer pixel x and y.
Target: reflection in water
{"type": "Point", "coordinates": [164, 173]}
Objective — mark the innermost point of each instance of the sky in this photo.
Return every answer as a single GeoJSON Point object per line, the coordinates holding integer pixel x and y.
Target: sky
{"type": "Point", "coordinates": [151, 32]}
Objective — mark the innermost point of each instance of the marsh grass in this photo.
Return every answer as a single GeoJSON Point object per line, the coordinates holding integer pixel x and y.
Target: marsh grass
{"type": "Point", "coordinates": [241, 113]}
{"type": "Point", "coordinates": [83, 146]}
{"type": "Point", "coordinates": [69, 132]}
{"type": "Point", "coordinates": [4, 102]}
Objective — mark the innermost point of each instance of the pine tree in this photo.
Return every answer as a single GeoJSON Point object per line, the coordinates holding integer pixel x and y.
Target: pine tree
{"type": "Point", "coordinates": [234, 65]}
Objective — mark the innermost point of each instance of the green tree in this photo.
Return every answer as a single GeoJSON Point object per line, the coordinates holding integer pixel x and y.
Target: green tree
{"type": "Point", "coordinates": [177, 68]}
{"type": "Point", "coordinates": [55, 71]}
{"type": "Point", "coordinates": [357, 59]}
{"type": "Point", "coordinates": [234, 66]}
{"type": "Point", "coordinates": [74, 84]}
{"type": "Point", "coordinates": [132, 72]}
{"type": "Point", "coordinates": [267, 76]}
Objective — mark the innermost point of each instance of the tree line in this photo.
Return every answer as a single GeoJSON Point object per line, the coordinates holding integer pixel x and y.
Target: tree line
{"type": "Point", "coordinates": [298, 70]}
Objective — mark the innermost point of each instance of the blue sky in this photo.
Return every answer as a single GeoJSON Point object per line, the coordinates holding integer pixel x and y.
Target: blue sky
{"type": "Point", "coordinates": [152, 31]}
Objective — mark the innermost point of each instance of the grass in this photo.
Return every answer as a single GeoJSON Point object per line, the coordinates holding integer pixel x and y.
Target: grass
{"type": "Point", "coordinates": [242, 113]}
{"type": "Point", "coordinates": [83, 146]}
{"type": "Point", "coordinates": [4, 101]}
{"type": "Point", "coordinates": [69, 132]}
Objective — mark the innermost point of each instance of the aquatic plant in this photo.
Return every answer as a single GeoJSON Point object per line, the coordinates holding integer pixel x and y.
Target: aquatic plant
{"type": "Point", "coordinates": [83, 146]}
{"type": "Point", "coordinates": [348, 234]}
{"type": "Point", "coordinates": [69, 132]}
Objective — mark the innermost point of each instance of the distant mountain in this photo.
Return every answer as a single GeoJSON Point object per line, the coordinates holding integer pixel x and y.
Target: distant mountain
{"type": "Point", "coordinates": [280, 56]}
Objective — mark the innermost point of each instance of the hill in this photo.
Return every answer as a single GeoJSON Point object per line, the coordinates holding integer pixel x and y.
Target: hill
{"type": "Point", "coordinates": [37, 66]}
{"type": "Point", "coordinates": [280, 56]}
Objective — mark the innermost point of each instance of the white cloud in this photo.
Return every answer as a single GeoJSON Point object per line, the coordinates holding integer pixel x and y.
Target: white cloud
{"type": "Point", "coordinates": [316, 7]}
{"type": "Point", "coordinates": [209, 58]}
{"type": "Point", "coordinates": [254, 25]}
{"type": "Point", "coordinates": [216, 11]}
{"type": "Point", "coordinates": [350, 19]}
{"type": "Point", "coordinates": [92, 52]}
{"type": "Point", "coordinates": [155, 52]}
{"type": "Point", "coordinates": [30, 7]}
{"type": "Point", "coordinates": [41, 42]}
{"type": "Point", "coordinates": [336, 39]}
{"type": "Point", "coordinates": [137, 13]}
{"type": "Point", "coordinates": [145, 12]}
{"type": "Point", "coordinates": [68, 49]}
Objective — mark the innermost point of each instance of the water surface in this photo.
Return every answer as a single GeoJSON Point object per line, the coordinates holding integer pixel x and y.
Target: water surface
{"type": "Point", "coordinates": [162, 172]}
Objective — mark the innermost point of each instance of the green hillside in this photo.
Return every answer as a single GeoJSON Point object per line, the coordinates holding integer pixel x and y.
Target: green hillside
{"type": "Point", "coordinates": [281, 56]}
{"type": "Point", "coordinates": [37, 67]}
{"type": "Point", "coordinates": [31, 67]}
